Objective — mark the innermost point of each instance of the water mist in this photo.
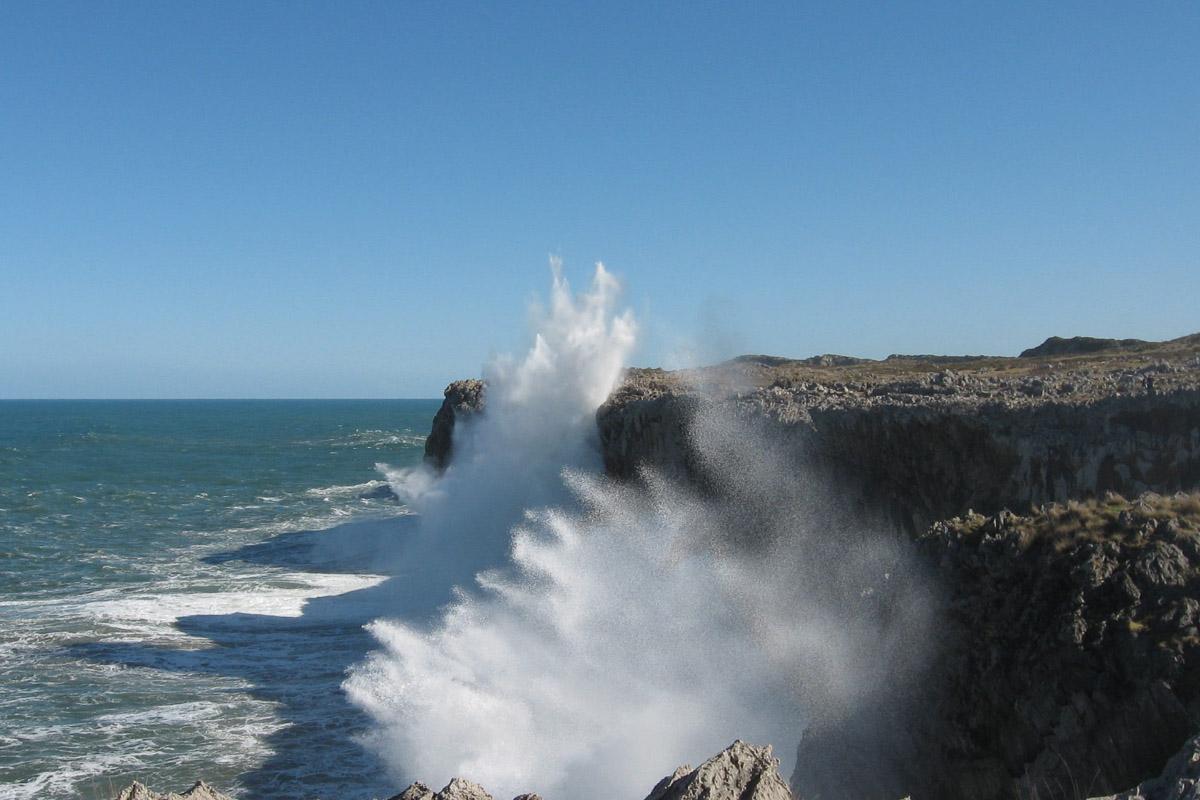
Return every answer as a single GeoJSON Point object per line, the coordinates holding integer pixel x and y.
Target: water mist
{"type": "Point", "coordinates": [602, 633]}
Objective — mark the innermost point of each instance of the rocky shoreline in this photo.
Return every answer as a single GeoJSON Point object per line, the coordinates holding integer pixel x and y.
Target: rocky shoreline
{"type": "Point", "coordinates": [1069, 661]}
{"type": "Point", "coordinates": [739, 772]}
{"type": "Point", "coordinates": [1071, 664]}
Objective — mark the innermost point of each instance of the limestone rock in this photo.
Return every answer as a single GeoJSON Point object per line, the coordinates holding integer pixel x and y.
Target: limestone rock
{"type": "Point", "coordinates": [199, 791]}
{"type": "Point", "coordinates": [739, 772]}
{"type": "Point", "coordinates": [460, 789]}
{"type": "Point", "coordinates": [456, 789]}
{"type": "Point", "coordinates": [416, 791]}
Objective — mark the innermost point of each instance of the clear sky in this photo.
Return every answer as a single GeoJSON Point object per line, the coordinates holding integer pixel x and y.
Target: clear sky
{"type": "Point", "coordinates": [287, 199]}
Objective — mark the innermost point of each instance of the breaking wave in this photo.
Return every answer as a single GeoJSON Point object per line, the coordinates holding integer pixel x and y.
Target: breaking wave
{"type": "Point", "coordinates": [562, 633]}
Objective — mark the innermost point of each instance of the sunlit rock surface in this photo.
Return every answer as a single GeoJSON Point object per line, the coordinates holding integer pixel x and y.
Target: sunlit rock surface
{"type": "Point", "coordinates": [739, 772]}
{"type": "Point", "coordinates": [200, 791]}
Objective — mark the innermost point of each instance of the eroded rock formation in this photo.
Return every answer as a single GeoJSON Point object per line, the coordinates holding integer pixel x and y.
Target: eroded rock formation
{"type": "Point", "coordinates": [1069, 667]}
{"type": "Point", "coordinates": [739, 772]}
{"type": "Point", "coordinates": [199, 791]}
{"type": "Point", "coordinates": [925, 442]}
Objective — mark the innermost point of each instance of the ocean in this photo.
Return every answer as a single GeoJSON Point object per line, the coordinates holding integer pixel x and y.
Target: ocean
{"type": "Point", "coordinates": [183, 585]}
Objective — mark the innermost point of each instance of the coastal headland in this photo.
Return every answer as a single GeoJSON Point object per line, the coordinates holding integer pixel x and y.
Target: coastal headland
{"type": "Point", "coordinates": [1053, 499]}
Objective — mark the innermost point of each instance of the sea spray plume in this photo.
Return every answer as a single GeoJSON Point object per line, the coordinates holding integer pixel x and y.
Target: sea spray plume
{"type": "Point", "coordinates": [833, 560]}
{"type": "Point", "coordinates": [540, 419]}
{"type": "Point", "coordinates": [648, 626]}
{"type": "Point", "coordinates": [603, 652]}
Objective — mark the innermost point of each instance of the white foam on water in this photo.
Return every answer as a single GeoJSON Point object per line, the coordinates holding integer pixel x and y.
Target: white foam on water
{"type": "Point", "coordinates": [66, 779]}
{"type": "Point", "coordinates": [353, 490]}
{"type": "Point", "coordinates": [157, 612]}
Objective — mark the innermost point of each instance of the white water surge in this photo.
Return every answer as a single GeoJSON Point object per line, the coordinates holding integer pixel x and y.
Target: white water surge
{"type": "Point", "coordinates": [602, 633]}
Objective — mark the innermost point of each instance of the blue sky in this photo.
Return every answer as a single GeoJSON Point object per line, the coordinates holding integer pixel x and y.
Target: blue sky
{"type": "Point", "coordinates": [358, 199]}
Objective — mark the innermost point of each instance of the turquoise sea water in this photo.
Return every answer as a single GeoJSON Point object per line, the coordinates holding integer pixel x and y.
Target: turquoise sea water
{"type": "Point", "coordinates": [182, 586]}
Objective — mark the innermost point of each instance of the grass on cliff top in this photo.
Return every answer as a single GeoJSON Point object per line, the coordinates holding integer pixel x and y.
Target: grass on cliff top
{"type": "Point", "coordinates": [1111, 518]}
{"type": "Point", "coordinates": [761, 371]}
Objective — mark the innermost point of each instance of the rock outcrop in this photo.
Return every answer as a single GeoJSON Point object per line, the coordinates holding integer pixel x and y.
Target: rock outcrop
{"type": "Point", "coordinates": [923, 442]}
{"type": "Point", "coordinates": [462, 399]}
{"type": "Point", "coordinates": [1076, 345]}
{"type": "Point", "coordinates": [739, 772]}
{"type": "Point", "coordinates": [199, 791]}
{"type": "Point", "coordinates": [1070, 664]}
{"type": "Point", "coordinates": [456, 789]}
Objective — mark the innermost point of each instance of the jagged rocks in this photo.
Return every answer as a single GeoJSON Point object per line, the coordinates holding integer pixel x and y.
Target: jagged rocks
{"type": "Point", "coordinates": [739, 772]}
{"type": "Point", "coordinates": [1069, 667]}
{"type": "Point", "coordinates": [456, 789]}
{"type": "Point", "coordinates": [199, 791]}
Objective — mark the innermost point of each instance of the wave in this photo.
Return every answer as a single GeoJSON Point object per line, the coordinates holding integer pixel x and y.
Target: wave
{"type": "Point", "coordinates": [594, 634]}
{"type": "Point", "coordinates": [373, 439]}
{"type": "Point", "coordinates": [351, 490]}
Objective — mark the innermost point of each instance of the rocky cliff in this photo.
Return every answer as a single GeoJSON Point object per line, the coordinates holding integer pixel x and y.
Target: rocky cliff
{"type": "Point", "coordinates": [1068, 666]}
{"type": "Point", "coordinates": [928, 438]}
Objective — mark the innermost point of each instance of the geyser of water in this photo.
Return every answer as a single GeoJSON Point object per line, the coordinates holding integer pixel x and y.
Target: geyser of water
{"type": "Point", "coordinates": [613, 631]}
{"type": "Point", "coordinates": [540, 419]}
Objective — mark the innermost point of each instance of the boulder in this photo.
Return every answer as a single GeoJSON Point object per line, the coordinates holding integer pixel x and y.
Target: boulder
{"type": "Point", "coordinates": [456, 789]}
{"type": "Point", "coordinates": [739, 772]}
{"type": "Point", "coordinates": [199, 791]}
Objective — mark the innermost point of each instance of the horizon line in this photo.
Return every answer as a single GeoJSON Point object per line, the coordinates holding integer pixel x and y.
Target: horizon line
{"type": "Point", "coordinates": [201, 399]}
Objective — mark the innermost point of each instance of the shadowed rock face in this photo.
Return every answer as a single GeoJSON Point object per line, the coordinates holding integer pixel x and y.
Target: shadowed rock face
{"type": "Point", "coordinates": [925, 443]}
{"type": "Point", "coordinates": [1179, 781]}
{"type": "Point", "coordinates": [462, 399]}
{"type": "Point", "coordinates": [1070, 664]}
{"type": "Point", "coordinates": [1058, 346]}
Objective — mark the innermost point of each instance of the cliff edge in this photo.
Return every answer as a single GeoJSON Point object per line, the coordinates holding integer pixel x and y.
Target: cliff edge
{"type": "Point", "coordinates": [1070, 655]}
